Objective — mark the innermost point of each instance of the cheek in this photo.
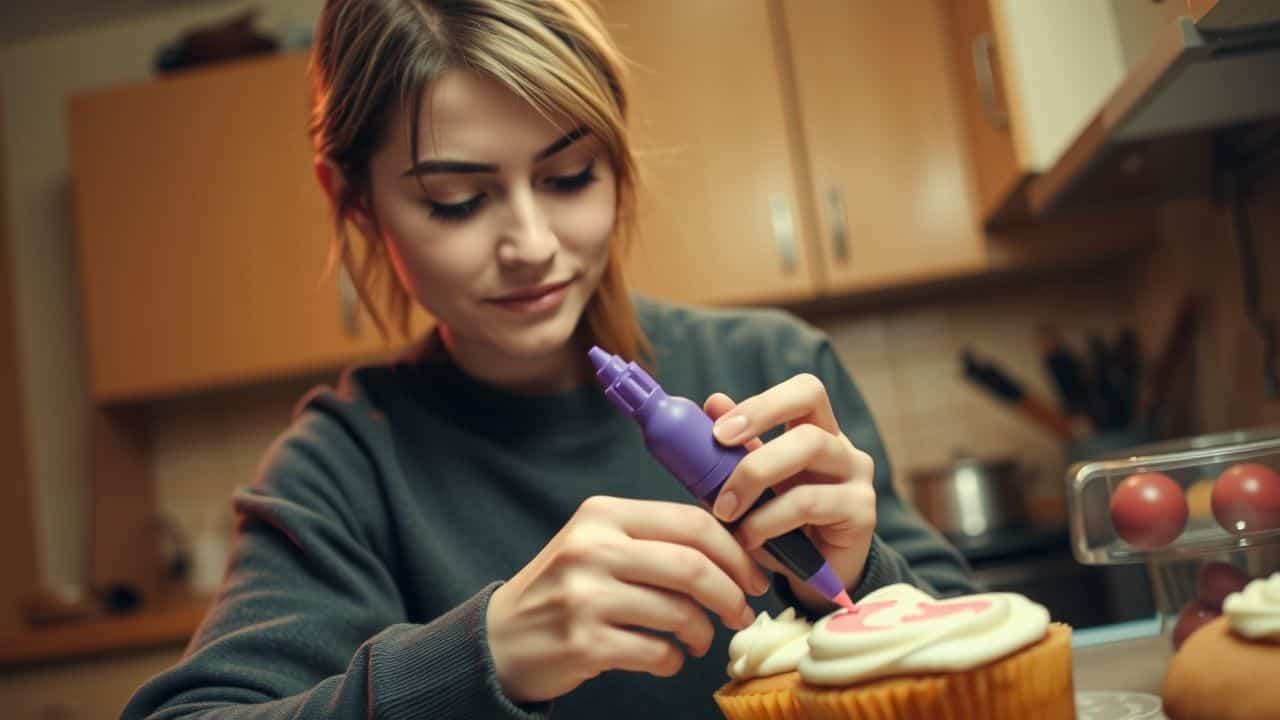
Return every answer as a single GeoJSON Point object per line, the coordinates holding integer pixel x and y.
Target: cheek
{"type": "Point", "coordinates": [586, 225]}
{"type": "Point", "coordinates": [432, 261]}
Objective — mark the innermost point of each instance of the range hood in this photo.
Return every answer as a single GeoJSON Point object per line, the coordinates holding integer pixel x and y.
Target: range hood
{"type": "Point", "coordinates": [1160, 133]}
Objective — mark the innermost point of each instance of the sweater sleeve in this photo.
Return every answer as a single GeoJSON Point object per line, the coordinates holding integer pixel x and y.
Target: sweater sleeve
{"type": "Point", "coordinates": [904, 548]}
{"type": "Point", "coordinates": [309, 621]}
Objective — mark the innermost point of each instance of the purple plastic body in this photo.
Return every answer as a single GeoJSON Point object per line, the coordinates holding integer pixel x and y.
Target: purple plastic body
{"type": "Point", "coordinates": [678, 433]}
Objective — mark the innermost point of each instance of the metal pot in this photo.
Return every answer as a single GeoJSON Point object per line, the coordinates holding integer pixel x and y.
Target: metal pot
{"type": "Point", "coordinates": [972, 496]}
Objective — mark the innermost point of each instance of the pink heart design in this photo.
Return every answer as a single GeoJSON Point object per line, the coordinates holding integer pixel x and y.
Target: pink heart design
{"type": "Point", "coordinates": [857, 621]}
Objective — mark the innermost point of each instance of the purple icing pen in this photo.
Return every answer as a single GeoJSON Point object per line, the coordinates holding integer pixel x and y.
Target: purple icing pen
{"type": "Point", "coordinates": [678, 433]}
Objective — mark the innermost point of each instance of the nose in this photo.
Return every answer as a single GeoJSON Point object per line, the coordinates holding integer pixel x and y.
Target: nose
{"type": "Point", "coordinates": [527, 238]}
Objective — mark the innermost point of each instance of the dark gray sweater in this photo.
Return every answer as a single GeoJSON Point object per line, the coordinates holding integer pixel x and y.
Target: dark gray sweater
{"type": "Point", "coordinates": [383, 519]}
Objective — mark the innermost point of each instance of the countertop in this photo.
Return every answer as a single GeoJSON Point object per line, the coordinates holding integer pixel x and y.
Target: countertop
{"type": "Point", "coordinates": [1126, 658]}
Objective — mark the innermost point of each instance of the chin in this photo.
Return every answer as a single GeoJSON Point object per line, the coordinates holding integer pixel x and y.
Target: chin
{"type": "Point", "coordinates": [539, 339]}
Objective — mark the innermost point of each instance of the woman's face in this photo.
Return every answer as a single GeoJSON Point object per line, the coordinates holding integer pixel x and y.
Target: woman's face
{"type": "Point", "coordinates": [500, 227]}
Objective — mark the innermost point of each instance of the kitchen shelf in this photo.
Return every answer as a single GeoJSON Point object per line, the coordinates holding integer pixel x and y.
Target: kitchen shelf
{"type": "Point", "coordinates": [1155, 136]}
{"type": "Point", "coordinates": [171, 625]}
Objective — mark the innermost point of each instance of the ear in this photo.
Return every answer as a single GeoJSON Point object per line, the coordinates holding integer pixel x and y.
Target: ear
{"type": "Point", "coordinates": [334, 184]}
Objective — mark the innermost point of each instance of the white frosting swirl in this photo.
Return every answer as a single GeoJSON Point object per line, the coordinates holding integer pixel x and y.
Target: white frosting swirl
{"type": "Point", "coordinates": [900, 629]}
{"type": "Point", "coordinates": [1254, 612]}
{"type": "Point", "coordinates": [769, 646]}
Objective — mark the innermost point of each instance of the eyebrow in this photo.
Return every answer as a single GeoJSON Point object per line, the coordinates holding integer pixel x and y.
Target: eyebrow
{"type": "Point", "coordinates": [428, 167]}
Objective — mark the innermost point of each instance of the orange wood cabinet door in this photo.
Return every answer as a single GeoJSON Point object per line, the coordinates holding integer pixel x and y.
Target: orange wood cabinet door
{"type": "Point", "coordinates": [203, 233]}
{"type": "Point", "coordinates": [720, 218]}
{"type": "Point", "coordinates": [17, 534]}
{"type": "Point", "coordinates": [975, 57]}
{"type": "Point", "coordinates": [884, 138]}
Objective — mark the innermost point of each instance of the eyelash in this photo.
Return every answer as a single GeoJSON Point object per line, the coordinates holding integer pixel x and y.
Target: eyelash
{"type": "Point", "coordinates": [565, 184]}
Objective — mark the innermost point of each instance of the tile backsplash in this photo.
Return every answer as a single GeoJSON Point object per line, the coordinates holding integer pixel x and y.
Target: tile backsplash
{"type": "Point", "coordinates": [906, 361]}
{"type": "Point", "coordinates": [907, 364]}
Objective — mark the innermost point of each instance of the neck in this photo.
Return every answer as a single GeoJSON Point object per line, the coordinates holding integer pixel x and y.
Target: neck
{"type": "Point", "coordinates": [559, 371]}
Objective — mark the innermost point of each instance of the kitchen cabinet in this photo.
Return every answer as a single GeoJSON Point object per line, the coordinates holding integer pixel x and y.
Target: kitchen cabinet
{"type": "Point", "coordinates": [1032, 73]}
{"type": "Point", "coordinates": [721, 217]}
{"type": "Point", "coordinates": [82, 690]}
{"type": "Point", "coordinates": [18, 561]}
{"type": "Point", "coordinates": [883, 139]}
{"type": "Point", "coordinates": [785, 153]}
{"type": "Point", "coordinates": [203, 235]}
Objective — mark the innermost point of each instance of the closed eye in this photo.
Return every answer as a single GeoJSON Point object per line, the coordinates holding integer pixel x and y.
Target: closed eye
{"type": "Point", "coordinates": [572, 183]}
{"type": "Point", "coordinates": [455, 212]}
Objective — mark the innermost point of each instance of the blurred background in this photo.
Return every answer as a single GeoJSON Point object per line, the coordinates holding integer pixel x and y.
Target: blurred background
{"type": "Point", "coordinates": [1036, 231]}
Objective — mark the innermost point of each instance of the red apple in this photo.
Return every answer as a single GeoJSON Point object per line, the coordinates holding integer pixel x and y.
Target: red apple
{"type": "Point", "coordinates": [1246, 498]}
{"type": "Point", "coordinates": [1148, 510]}
{"type": "Point", "coordinates": [1216, 581]}
{"type": "Point", "coordinates": [1193, 616]}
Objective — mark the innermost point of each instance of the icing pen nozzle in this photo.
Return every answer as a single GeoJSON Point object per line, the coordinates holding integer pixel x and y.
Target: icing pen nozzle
{"type": "Point", "coordinates": [678, 433]}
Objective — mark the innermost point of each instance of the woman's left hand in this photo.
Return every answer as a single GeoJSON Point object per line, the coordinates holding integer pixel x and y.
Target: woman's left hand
{"type": "Point", "coordinates": [822, 482]}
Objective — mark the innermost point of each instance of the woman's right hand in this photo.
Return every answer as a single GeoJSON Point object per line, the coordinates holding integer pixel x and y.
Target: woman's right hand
{"type": "Point", "coordinates": [618, 565]}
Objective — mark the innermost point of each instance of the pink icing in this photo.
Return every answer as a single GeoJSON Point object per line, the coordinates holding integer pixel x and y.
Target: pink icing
{"type": "Point", "coordinates": [856, 620]}
{"type": "Point", "coordinates": [931, 610]}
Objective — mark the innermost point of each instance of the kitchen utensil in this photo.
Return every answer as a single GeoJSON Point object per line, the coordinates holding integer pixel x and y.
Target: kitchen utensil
{"type": "Point", "coordinates": [1105, 382]}
{"type": "Point", "coordinates": [1003, 387]}
{"type": "Point", "coordinates": [1177, 348]}
{"type": "Point", "coordinates": [1067, 372]}
{"type": "Point", "coordinates": [1126, 363]}
{"type": "Point", "coordinates": [972, 496]}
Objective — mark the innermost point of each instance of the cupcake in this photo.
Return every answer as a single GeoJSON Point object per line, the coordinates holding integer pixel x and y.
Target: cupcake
{"type": "Point", "coordinates": [901, 655]}
{"type": "Point", "coordinates": [1227, 669]}
{"type": "Point", "coordinates": [762, 668]}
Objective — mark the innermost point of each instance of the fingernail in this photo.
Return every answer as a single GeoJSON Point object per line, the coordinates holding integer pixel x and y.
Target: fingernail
{"type": "Point", "coordinates": [760, 587]}
{"type": "Point", "coordinates": [728, 428]}
{"type": "Point", "coordinates": [748, 616]}
{"type": "Point", "coordinates": [726, 504]}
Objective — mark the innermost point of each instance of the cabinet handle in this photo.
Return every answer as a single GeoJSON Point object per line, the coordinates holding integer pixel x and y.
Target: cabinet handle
{"type": "Point", "coordinates": [839, 225]}
{"type": "Point", "coordinates": [784, 230]}
{"type": "Point", "coordinates": [983, 45]}
{"type": "Point", "coordinates": [349, 302]}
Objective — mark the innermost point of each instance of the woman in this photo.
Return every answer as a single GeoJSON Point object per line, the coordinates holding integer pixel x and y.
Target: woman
{"type": "Point", "coordinates": [472, 531]}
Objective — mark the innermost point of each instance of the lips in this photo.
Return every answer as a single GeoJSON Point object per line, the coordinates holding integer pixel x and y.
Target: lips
{"type": "Point", "coordinates": [533, 293]}
{"type": "Point", "coordinates": [539, 301]}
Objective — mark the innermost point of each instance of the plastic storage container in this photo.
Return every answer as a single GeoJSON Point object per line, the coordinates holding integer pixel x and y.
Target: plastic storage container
{"type": "Point", "coordinates": [1125, 508]}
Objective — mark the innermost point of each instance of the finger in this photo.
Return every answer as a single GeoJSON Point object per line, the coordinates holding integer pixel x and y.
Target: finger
{"type": "Point", "coordinates": [615, 648]}
{"type": "Point", "coordinates": [685, 525]}
{"type": "Point", "coordinates": [801, 399]}
{"type": "Point", "coordinates": [802, 448]}
{"type": "Point", "coordinates": [685, 570]}
{"type": "Point", "coordinates": [662, 610]}
{"type": "Point", "coordinates": [841, 513]}
{"type": "Point", "coordinates": [718, 404]}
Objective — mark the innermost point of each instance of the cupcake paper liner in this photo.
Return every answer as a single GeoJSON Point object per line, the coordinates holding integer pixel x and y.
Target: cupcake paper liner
{"type": "Point", "coordinates": [770, 698]}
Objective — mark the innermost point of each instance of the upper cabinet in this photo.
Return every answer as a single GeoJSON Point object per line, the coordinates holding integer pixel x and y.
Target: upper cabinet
{"type": "Point", "coordinates": [1033, 72]}
{"type": "Point", "coordinates": [721, 214]}
{"type": "Point", "coordinates": [883, 138]}
{"type": "Point", "coordinates": [797, 150]}
{"type": "Point", "coordinates": [203, 234]}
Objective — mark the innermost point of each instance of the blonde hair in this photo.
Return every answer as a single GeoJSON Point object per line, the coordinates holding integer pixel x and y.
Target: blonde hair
{"type": "Point", "coordinates": [373, 57]}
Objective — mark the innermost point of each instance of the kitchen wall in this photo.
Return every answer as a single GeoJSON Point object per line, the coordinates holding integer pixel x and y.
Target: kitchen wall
{"type": "Point", "coordinates": [37, 76]}
{"type": "Point", "coordinates": [1199, 254]}
{"type": "Point", "coordinates": [907, 363]}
